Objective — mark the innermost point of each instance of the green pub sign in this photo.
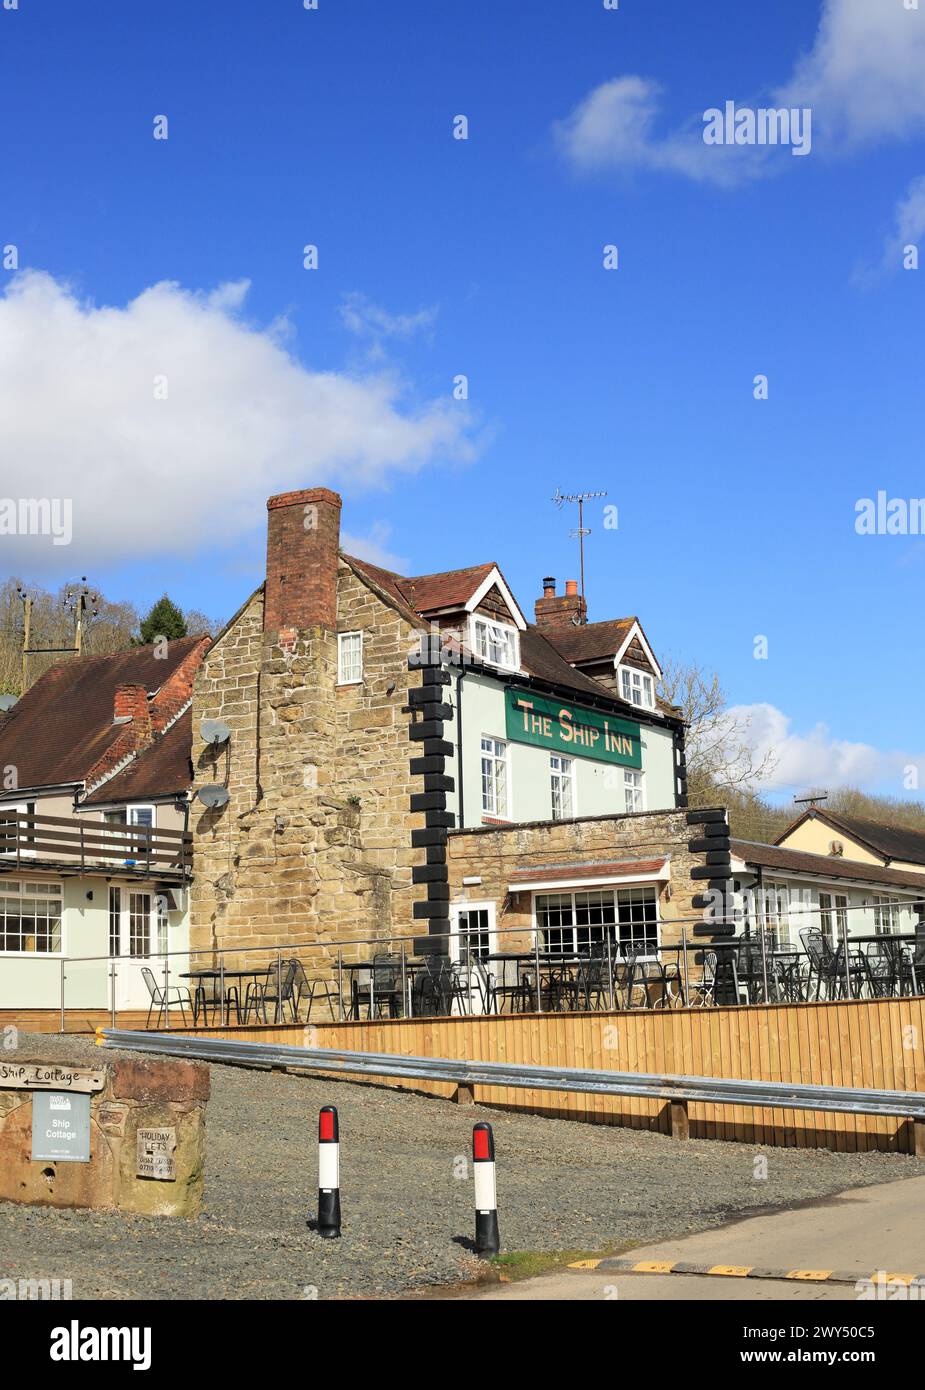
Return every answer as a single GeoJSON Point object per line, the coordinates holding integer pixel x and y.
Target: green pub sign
{"type": "Point", "coordinates": [571, 729]}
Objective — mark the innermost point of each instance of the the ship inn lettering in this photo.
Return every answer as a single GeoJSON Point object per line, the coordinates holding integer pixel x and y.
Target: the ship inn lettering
{"type": "Point", "coordinates": [571, 729]}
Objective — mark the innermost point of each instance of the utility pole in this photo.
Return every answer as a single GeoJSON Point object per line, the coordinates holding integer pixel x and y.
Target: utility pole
{"type": "Point", "coordinates": [581, 498]}
{"type": "Point", "coordinates": [77, 601]}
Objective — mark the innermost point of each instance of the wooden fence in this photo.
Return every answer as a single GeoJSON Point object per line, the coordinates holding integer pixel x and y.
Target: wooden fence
{"type": "Point", "coordinates": [875, 1043]}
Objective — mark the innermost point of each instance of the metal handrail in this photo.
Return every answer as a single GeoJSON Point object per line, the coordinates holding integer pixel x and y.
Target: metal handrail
{"type": "Point", "coordinates": [648, 1085]}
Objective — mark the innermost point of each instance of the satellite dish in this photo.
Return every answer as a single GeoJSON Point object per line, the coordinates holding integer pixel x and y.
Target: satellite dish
{"type": "Point", "coordinates": [213, 795]}
{"type": "Point", "coordinates": [215, 731]}
{"type": "Point", "coordinates": [7, 702]}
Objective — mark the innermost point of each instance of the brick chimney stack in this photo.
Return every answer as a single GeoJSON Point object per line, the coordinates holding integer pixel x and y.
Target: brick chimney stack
{"type": "Point", "coordinates": [562, 611]}
{"type": "Point", "coordinates": [131, 702]}
{"type": "Point", "coordinates": [303, 539]}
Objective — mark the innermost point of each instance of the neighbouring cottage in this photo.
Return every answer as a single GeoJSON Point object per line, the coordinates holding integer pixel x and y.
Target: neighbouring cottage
{"type": "Point", "coordinates": [396, 744]}
{"type": "Point", "coordinates": [94, 853]}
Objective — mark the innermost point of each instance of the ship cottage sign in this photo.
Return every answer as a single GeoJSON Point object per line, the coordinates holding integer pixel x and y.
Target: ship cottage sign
{"type": "Point", "coordinates": [572, 730]}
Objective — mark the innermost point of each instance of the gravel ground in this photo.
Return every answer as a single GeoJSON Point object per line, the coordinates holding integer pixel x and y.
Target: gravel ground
{"type": "Point", "coordinates": [408, 1215]}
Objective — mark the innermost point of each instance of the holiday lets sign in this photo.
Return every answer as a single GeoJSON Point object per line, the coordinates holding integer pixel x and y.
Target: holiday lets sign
{"type": "Point", "coordinates": [572, 730]}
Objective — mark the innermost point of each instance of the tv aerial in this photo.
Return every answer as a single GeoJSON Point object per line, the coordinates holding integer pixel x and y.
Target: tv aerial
{"type": "Point", "coordinates": [581, 498]}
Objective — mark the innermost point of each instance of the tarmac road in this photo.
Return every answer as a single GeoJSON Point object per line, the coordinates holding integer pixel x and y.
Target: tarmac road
{"type": "Point", "coordinates": [865, 1235]}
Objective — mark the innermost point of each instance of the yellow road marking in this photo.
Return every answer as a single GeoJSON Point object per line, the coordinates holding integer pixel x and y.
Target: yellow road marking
{"type": "Point", "coordinates": [733, 1271]}
{"type": "Point", "coordinates": [809, 1274]}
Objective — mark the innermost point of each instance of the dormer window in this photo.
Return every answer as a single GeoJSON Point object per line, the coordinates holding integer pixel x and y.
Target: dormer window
{"type": "Point", "coordinates": [498, 644]}
{"type": "Point", "coordinates": [637, 687]}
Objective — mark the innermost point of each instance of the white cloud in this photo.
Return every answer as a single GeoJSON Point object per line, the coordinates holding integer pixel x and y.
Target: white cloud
{"type": "Point", "coordinates": [374, 548]}
{"type": "Point", "coordinates": [865, 74]}
{"type": "Point", "coordinates": [908, 230]}
{"type": "Point", "coordinates": [816, 758]}
{"type": "Point", "coordinates": [370, 320]}
{"type": "Point", "coordinates": [864, 79]}
{"type": "Point", "coordinates": [243, 418]}
{"type": "Point", "coordinates": [614, 128]}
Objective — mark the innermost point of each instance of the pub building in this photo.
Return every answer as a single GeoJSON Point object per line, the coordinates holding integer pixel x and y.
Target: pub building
{"type": "Point", "coordinates": [413, 757]}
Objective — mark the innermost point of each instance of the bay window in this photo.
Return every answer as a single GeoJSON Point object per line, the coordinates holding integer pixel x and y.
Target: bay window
{"type": "Point", "coordinates": [571, 923]}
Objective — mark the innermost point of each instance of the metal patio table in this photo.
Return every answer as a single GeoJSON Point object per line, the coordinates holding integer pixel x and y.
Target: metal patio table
{"type": "Point", "coordinates": [221, 976]}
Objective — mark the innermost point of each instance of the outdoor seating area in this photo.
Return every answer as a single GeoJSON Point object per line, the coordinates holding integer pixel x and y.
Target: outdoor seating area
{"type": "Point", "coordinates": [609, 976]}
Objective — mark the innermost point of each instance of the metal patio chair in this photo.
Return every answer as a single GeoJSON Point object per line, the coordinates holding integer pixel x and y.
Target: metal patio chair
{"type": "Point", "coordinates": [912, 964]}
{"type": "Point", "coordinates": [508, 989]}
{"type": "Point", "coordinates": [165, 999]}
{"type": "Point", "coordinates": [207, 998]}
{"type": "Point", "coordinates": [591, 986]}
{"type": "Point", "coordinates": [309, 990]}
{"type": "Point", "coordinates": [703, 991]}
{"type": "Point", "coordinates": [884, 967]}
{"type": "Point", "coordinates": [823, 962]}
{"type": "Point", "coordinates": [274, 987]}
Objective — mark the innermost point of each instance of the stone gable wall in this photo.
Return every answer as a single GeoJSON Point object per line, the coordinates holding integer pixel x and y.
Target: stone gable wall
{"type": "Point", "coordinates": [322, 851]}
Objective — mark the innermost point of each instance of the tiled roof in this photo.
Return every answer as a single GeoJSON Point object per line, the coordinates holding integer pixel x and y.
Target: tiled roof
{"type": "Point", "coordinates": [540, 650]}
{"type": "Point", "coordinates": [163, 769]}
{"type": "Point", "coordinates": [63, 725]}
{"type": "Point", "coordinates": [823, 865]}
{"type": "Point", "coordinates": [426, 593]}
{"type": "Point", "coordinates": [541, 659]}
{"type": "Point", "coordinates": [892, 841]}
{"type": "Point", "coordinates": [591, 641]}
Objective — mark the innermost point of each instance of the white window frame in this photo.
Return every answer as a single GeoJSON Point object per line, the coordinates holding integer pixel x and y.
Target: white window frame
{"type": "Point", "coordinates": [641, 683]}
{"type": "Point", "coordinates": [456, 911]}
{"type": "Point", "coordinates": [833, 915]}
{"type": "Point", "coordinates": [562, 778]}
{"type": "Point", "coordinates": [777, 922]}
{"type": "Point", "coordinates": [634, 788]}
{"type": "Point", "coordinates": [614, 889]}
{"type": "Point", "coordinates": [887, 912]}
{"type": "Point", "coordinates": [14, 888]}
{"type": "Point", "coordinates": [504, 759]}
{"type": "Point", "coordinates": [481, 628]}
{"type": "Point", "coordinates": [343, 668]}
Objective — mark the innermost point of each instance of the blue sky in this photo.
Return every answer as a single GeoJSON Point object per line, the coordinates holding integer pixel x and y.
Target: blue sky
{"type": "Point", "coordinates": [484, 257]}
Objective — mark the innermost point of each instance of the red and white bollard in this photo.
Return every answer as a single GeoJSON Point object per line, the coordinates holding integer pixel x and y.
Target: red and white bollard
{"type": "Point", "coordinates": [487, 1240]}
{"type": "Point", "coordinates": [328, 1173]}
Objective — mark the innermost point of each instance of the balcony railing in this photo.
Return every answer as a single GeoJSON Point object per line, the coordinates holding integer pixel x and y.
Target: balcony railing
{"type": "Point", "coordinates": [29, 841]}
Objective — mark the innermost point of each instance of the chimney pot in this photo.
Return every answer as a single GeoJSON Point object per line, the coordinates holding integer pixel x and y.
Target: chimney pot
{"type": "Point", "coordinates": [562, 610]}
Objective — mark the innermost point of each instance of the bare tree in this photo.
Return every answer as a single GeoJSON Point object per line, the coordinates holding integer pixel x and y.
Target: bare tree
{"type": "Point", "coordinates": [108, 629]}
{"type": "Point", "coordinates": [719, 754]}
